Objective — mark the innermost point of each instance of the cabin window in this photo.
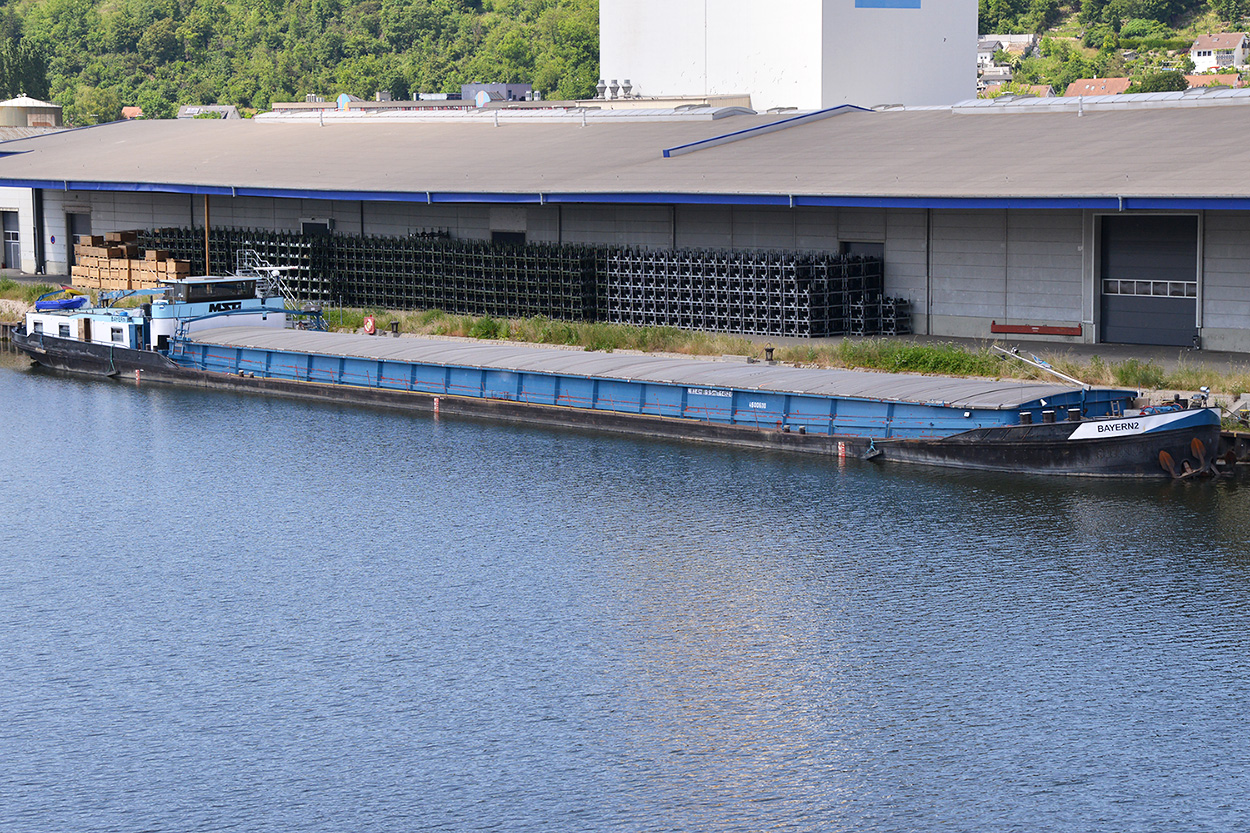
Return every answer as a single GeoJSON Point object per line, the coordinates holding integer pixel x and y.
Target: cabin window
{"type": "Point", "coordinates": [118, 335]}
{"type": "Point", "coordinates": [39, 326]}
{"type": "Point", "coordinates": [63, 330]}
{"type": "Point", "coordinates": [213, 291]}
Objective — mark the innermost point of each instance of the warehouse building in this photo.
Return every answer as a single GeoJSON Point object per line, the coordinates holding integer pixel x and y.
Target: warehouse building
{"type": "Point", "coordinates": [1072, 220]}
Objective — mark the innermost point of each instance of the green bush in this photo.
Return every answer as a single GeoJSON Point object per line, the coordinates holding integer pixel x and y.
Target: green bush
{"type": "Point", "coordinates": [1138, 374]}
{"type": "Point", "coordinates": [1143, 28]}
{"type": "Point", "coordinates": [489, 328]}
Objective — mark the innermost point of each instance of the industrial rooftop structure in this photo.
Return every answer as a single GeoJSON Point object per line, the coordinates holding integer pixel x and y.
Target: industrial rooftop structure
{"type": "Point", "coordinates": [1120, 158]}
{"type": "Point", "coordinates": [1081, 220]}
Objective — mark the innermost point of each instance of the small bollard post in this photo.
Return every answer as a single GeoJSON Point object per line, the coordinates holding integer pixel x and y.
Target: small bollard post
{"type": "Point", "coordinates": [768, 353]}
{"type": "Point", "coordinates": [395, 329]}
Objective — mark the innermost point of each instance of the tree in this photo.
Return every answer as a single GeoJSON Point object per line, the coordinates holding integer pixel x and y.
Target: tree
{"type": "Point", "coordinates": [23, 70]}
{"type": "Point", "coordinates": [160, 53]}
{"type": "Point", "coordinates": [160, 44]}
{"type": "Point", "coordinates": [1230, 10]}
{"type": "Point", "coordinates": [93, 105]}
{"type": "Point", "coordinates": [1159, 82]}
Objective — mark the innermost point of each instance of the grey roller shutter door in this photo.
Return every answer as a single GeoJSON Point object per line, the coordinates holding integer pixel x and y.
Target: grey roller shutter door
{"type": "Point", "coordinates": [1149, 271]}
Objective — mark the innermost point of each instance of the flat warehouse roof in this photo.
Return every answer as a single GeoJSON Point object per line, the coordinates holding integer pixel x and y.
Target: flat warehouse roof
{"type": "Point", "coordinates": [892, 387]}
{"type": "Point", "coordinates": [1134, 158]}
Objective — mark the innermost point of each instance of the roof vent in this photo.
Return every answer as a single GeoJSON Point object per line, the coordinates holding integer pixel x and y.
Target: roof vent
{"type": "Point", "coordinates": [600, 87]}
{"type": "Point", "coordinates": [614, 87]}
{"type": "Point", "coordinates": [625, 88]}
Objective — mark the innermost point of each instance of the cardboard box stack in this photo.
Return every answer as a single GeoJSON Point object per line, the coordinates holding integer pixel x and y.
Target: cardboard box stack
{"type": "Point", "coordinates": [113, 261]}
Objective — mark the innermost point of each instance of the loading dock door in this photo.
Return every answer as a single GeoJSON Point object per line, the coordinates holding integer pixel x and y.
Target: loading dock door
{"type": "Point", "coordinates": [12, 241]}
{"type": "Point", "coordinates": [1149, 280]}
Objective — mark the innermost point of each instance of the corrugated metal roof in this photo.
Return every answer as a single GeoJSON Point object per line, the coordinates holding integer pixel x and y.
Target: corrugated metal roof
{"type": "Point", "coordinates": [504, 115]}
{"type": "Point", "coordinates": [892, 387]}
{"type": "Point", "coordinates": [1194, 97]}
{"type": "Point", "coordinates": [1138, 158]}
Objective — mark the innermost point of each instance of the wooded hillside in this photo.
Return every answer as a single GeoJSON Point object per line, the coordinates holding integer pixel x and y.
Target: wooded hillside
{"type": "Point", "coordinates": [158, 54]}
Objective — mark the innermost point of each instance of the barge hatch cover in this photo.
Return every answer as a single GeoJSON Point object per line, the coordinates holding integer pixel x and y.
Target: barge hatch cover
{"type": "Point", "coordinates": [694, 372]}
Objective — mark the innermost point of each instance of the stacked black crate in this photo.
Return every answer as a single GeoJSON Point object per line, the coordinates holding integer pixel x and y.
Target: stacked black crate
{"type": "Point", "coordinates": [751, 292]}
{"type": "Point", "coordinates": [864, 289]}
{"type": "Point", "coordinates": [895, 316]}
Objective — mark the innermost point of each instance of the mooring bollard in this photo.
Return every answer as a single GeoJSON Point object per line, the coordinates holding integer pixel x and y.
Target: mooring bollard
{"type": "Point", "coordinates": [395, 329]}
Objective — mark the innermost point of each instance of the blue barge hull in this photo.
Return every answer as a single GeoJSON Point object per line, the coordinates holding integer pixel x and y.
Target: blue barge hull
{"type": "Point", "coordinates": [964, 423]}
{"type": "Point", "coordinates": [846, 404]}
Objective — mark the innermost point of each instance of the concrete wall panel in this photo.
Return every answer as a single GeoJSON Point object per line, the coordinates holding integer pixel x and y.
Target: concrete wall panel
{"type": "Point", "coordinates": [969, 266]}
{"type": "Point", "coordinates": [704, 227]}
{"type": "Point", "coordinates": [764, 227]}
{"type": "Point", "coordinates": [1044, 257]}
{"type": "Point", "coordinates": [650, 226]}
{"type": "Point", "coordinates": [816, 229]}
{"type": "Point", "coordinates": [905, 257]}
{"type": "Point", "coordinates": [861, 224]}
{"type": "Point", "coordinates": [1226, 270]}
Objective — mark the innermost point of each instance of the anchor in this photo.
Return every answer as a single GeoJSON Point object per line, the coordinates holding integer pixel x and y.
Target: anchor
{"type": "Point", "coordinates": [1205, 466]}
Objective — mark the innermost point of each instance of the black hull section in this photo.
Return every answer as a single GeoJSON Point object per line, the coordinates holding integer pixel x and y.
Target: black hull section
{"type": "Point", "coordinates": [83, 357]}
{"type": "Point", "coordinates": [1046, 449]}
{"type": "Point", "coordinates": [1035, 449]}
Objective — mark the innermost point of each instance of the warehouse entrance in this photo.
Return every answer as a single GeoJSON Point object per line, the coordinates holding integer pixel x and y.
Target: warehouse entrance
{"type": "Point", "coordinates": [75, 224]}
{"type": "Point", "coordinates": [1149, 271]}
{"type": "Point", "coordinates": [12, 241]}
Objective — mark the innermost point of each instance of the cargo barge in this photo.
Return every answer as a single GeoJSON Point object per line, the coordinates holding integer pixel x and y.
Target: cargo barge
{"type": "Point", "coordinates": [216, 333]}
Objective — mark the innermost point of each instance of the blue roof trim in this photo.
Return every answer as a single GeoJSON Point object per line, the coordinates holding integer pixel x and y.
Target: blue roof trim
{"type": "Point", "coordinates": [662, 198]}
{"type": "Point", "coordinates": [1189, 203]}
{"type": "Point", "coordinates": [797, 200]}
{"type": "Point", "coordinates": [771, 127]}
{"type": "Point", "coordinates": [958, 202]}
{"type": "Point", "coordinates": [392, 196]}
{"type": "Point", "coordinates": [1112, 203]}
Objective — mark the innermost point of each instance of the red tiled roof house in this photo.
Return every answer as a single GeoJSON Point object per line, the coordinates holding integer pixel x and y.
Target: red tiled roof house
{"type": "Point", "coordinates": [1097, 86]}
{"type": "Point", "coordinates": [1226, 49]}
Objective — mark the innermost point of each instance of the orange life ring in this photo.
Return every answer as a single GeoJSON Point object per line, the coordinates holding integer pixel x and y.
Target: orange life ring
{"type": "Point", "coordinates": [370, 326]}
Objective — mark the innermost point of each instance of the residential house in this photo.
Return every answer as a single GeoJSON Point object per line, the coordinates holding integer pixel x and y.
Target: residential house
{"type": "Point", "coordinates": [993, 76]}
{"type": "Point", "coordinates": [1014, 44]}
{"type": "Point", "coordinates": [1097, 86]}
{"type": "Point", "coordinates": [1230, 79]}
{"type": "Point", "coordinates": [1219, 51]}
{"type": "Point", "coordinates": [986, 49]}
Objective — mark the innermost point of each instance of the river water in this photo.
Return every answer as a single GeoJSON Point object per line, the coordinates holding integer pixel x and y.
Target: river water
{"type": "Point", "coordinates": [224, 611]}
